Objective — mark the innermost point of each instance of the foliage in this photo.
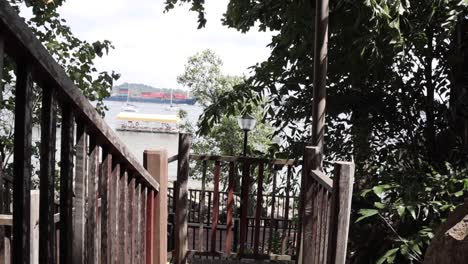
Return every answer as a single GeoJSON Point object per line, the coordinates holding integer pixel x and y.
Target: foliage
{"type": "Point", "coordinates": [204, 77]}
{"type": "Point", "coordinates": [396, 105]}
{"type": "Point", "coordinates": [75, 55]}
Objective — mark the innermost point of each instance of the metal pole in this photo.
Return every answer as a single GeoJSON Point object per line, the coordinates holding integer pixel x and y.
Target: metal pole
{"type": "Point", "coordinates": [245, 142]}
{"type": "Point", "coordinates": [320, 73]}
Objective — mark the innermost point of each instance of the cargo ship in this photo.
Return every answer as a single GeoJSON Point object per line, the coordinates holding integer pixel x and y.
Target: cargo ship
{"type": "Point", "coordinates": [148, 94]}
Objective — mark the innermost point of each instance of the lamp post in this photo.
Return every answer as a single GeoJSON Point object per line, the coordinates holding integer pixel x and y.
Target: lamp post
{"type": "Point", "coordinates": [246, 123]}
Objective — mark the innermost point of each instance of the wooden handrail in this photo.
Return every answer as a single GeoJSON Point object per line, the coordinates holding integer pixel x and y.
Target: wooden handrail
{"type": "Point", "coordinates": [322, 179]}
{"type": "Point", "coordinates": [22, 44]}
{"type": "Point", "coordinates": [244, 159]}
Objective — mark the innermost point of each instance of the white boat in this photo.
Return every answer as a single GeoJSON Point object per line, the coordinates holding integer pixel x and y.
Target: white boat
{"type": "Point", "coordinates": [130, 108]}
{"type": "Point", "coordinates": [151, 123]}
{"type": "Point", "coordinates": [172, 108]}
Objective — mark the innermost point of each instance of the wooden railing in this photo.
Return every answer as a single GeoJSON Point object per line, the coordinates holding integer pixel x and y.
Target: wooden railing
{"type": "Point", "coordinates": [265, 219]}
{"type": "Point", "coordinates": [107, 199]}
{"type": "Point", "coordinates": [314, 233]}
{"type": "Point", "coordinates": [326, 209]}
{"type": "Point", "coordinates": [277, 234]}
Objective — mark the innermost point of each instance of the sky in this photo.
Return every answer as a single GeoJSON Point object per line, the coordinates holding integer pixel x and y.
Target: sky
{"type": "Point", "coordinates": [151, 46]}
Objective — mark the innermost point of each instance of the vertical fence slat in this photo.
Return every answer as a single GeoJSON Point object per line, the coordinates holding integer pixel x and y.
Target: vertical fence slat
{"type": "Point", "coordinates": [258, 207]}
{"type": "Point", "coordinates": [106, 174]}
{"type": "Point", "coordinates": [214, 222]}
{"type": "Point", "coordinates": [47, 178]}
{"type": "Point", "coordinates": [66, 185]}
{"type": "Point", "coordinates": [284, 243]}
{"type": "Point", "coordinates": [185, 141]}
{"type": "Point", "coordinates": [143, 225]}
{"type": "Point", "coordinates": [92, 193]}
{"type": "Point", "coordinates": [340, 211]}
{"type": "Point", "coordinates": [3, 193]}
{"type": "Point", "coordinates": [201, 217]}
{"type": "Point", "coordinates": [273, 204]}
{"type": "Point", "coordinates": [79, 199]}
{"type": "Point", "coordinates": [113, 213]}
{"type": "Point", "coordinates": [316, 222]}
{"type": "Point", "coordinates": [22, 165]}
{"type": "Point", "coordinates": [244, 208]}
{"type": "Point", "coordinates": [135, 222]}
{"type": "Point", "coordinates": [123, 218]}
{"type": "Point", "coordinates": [230, 209]}
{"type": "Point", "coordinates": [131, 223]}
{"type": "Point", "coordinates": [323, 225]}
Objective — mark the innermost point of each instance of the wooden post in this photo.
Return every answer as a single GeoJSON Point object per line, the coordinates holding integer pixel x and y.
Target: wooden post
{"type": "Point", "coordinates": [320, 74]}
{"type": "Point", "coordinates": [106, 174]}
{"type": "Point", "coordinates": [156, 236]}
{"type": "Point", "coordinates": [22, 165]}
{"type": "Point", "coordinates": [185, 141]}
{"type": "Point", "coordinates": [306, 251]}
{"type": "Point", "coordinates": [340, 212]}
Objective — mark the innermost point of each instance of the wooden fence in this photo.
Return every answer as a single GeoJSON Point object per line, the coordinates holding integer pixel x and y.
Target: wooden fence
{"type": "Point", "coordinates": [108, 202]}
{"type": "Point", "coordinates": [310, 228]}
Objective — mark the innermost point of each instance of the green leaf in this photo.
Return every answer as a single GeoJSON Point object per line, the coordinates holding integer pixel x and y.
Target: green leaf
{"type": "Point", "coordinates": [401, 210]}
{"type": "Point", "coordinates": [365, 213]}
{"type": "Point", "coordinates": [412, 211]}
{"type": "Point", "coordinates": [388, 257]}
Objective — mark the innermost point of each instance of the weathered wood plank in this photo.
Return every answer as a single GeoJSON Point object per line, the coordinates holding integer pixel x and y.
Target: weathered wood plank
{"type": "Point", "coordinates": [106, 174]}
{"type": "Point", "coordinates": [155, 163]}
{"type": "Point", "coordinates": [273, 203]}
{"type": "Point", "coordinates": [47, 178]}
{"type": "Point", "coordinates": [185, 141]}
{"type": "Point", "coordinates": [244, 210]}
{"type": "Point", "coordinates": [230, 208]}
{"type": "Point", "coordinates": [201, 219]}
{"type": "Point", "coordinates": [79, 201]}
{"type": "Point", "coordinates": [123, 251]}
{"type": "Point", "coordinates": [142, 213]}
{"type": "Point", "coordinates": [258, 207]}
{"type": "Point", "coordinates": [47, 70]}
{"type": "Point", "coordinates": [131, 219]}
{"type": "Point", "coordinates": [66, 185]}
{"type": "Point", "coordinates": [322, 179]}
{"type": "Point", "coordinates": [242, 159]}
{"type": "Point", "coordinates": [113, 213]}
{"type": "Point", "coordinates": [92, 205]}
{"type": "Point", "coordinates": [286, 227]}
{"type": "Point", "coordinates": [3, 191]}
{"type": "Point", "coordinates": [22, 164]}
{"type": "Point", "coordinates": [136, 220]}
{"type": "Point", "coordinates": [214, 222]}
{"type": "Point", "coordinates": [307, 246]}
{"type": "Point", "coordinates": [150, 227]}
{"type": "Point", "coordinates": [340, 211]}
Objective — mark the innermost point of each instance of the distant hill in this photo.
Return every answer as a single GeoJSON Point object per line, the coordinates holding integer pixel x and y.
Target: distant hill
{"type": "Point", "coordinates": [138, 88]}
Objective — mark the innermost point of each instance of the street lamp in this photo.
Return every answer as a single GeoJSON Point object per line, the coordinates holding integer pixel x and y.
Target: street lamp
{"type": "Point", "coordinates": [246, 123]}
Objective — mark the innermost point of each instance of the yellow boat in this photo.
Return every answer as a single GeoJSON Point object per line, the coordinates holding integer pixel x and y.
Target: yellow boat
{"type": "Point", "coordinates": [152, 123]}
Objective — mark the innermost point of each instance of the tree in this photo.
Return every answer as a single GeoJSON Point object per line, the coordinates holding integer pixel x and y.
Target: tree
{"type": "Point", "coordinates": [75, 55]}
{"type": "Point", "coordinates": [204, 77]}
{"type": "Point", "coordinates": [394, 104]}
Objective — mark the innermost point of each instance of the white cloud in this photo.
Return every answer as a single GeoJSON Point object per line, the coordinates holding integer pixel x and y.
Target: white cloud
{"type": "Point", "coordinates": [152, 46]}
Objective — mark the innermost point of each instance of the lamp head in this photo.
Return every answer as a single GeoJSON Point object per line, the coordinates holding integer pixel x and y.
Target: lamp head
{"type": "Point", "coordinates": [246, 122]}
